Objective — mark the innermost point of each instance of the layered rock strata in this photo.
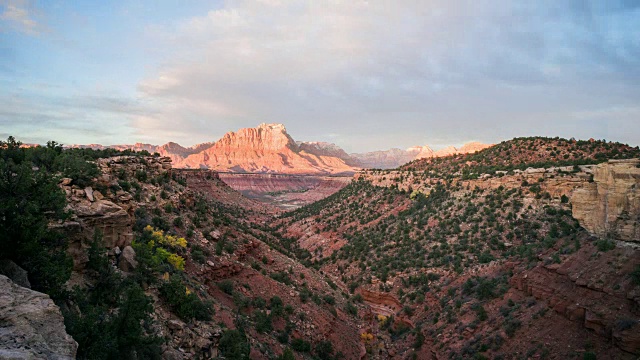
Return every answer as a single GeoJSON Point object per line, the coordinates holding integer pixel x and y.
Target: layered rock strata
{"type": "Point", "coordinates": [609, 207]}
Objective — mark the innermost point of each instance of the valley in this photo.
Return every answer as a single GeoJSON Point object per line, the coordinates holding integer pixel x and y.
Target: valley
{"type": "Point", "coordinates": [285, 191]}
{"type": "Point", "coordinates": [506, 253]}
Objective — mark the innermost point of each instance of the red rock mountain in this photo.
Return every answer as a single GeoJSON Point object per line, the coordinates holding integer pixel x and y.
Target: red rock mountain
{"type": "Point", "coordinates": [268, 148]}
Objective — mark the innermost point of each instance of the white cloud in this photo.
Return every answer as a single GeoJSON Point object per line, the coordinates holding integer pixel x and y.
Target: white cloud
{"type": "Point", "coordinates": [387, 67]}
{"type": "Point", "coordinates": [19, 15]}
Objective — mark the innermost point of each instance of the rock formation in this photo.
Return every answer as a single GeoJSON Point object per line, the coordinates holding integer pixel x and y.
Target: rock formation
{"type": "Point", "coordinates": [32, 325]}
{"type": "Point", "coordinates": [610, 205]}
{"type": "Point", "coordinates": [267, 148]}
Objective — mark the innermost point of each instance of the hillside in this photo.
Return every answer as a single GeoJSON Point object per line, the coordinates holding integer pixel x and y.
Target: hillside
{"type": "Point", "coordinates": [521, 153]}
{"type": "Point", "coordinates": [165, 263]}
{"type": "Point", "coordinates": [489, 266]}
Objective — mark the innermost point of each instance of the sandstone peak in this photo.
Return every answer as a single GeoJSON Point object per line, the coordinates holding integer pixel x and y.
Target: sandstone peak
{"type": "Point", "coordinates": [272, 127]}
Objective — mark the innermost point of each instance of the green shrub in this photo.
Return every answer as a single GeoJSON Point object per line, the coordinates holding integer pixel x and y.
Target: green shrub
{"type": "Point", "coordinates": [184, 303]}
{"type": "Point", "coordinates": [234, 345]}
{"type": "Point", "coordinates": [226, 286]}
{"type": "Point", "coordinates": [300, 345]}
{"type": "Point", "coordinates": [605, 245]}
{"type": "Point", "coordinates": [324, 350]}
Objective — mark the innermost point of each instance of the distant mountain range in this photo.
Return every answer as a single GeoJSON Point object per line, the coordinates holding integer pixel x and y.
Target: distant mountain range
{"type": "Point", "coordinates": [268, 148]}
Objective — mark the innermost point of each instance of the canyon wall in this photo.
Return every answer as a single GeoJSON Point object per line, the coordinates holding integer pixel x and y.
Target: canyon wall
{"type": "Point", "coordinates": [610, 205]}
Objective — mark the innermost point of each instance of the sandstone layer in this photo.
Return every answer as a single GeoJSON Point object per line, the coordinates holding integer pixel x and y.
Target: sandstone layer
{"type": "Point", "coordinates": [610, 205]}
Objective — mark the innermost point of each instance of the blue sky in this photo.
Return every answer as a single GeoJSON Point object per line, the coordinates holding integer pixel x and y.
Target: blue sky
{"type": "Point", "coordinates": [364, 75]}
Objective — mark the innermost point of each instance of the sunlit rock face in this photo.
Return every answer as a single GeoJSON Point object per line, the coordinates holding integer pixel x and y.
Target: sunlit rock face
{"type": "Point", "coordinates": [610, 205]}
{"type": "Point", "coordinates": [265, 149]}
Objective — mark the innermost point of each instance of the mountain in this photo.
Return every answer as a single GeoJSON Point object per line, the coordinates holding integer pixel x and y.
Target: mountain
{"type": "Point", "coordinates": [268, 148]}
{"type": "Point", "coordinates": [393, 158]}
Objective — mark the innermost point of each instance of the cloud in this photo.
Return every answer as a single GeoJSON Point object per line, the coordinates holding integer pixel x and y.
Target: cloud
{"type": "Point", "coordinates": [19, 15]}
{"type": "Point", "coordinates": [403, 72]}
{"type": "Point", "coordinates": [39, 116]}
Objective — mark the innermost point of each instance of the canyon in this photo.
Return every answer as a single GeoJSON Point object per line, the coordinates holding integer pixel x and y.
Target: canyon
{"type": "Point", "coordinates": [285, 191]}
{"type": "Point", "coordinates": [539, 261]}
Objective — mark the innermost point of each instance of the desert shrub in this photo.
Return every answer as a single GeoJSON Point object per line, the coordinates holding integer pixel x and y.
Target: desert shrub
{"type": "Point", "coordinates": [263, 322]}
{"type": "Point", "coordinates": [605, 245]}
{"type": "Point", "coordinates": [234, 345]}
{"type": "Point", "coordinates": [183, 302]}
{"type": "Point", "coordinates": [282, 277]}
{"type": "Point", "coordinates": [141, 176]}
{"type": "Point", "coordinates": [300, 345]}
{"type": "Point", "coordinates": [226, 286]}
{"type": "Point", "coordinates": [324, 350]}
{"type": "Point", "coordinates": [287, 354]}
{"type": "Point", "coordinates": [511, 325]}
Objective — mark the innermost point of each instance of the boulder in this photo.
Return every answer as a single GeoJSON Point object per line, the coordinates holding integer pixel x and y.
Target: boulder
{"type": "Point", "coordinates": [127, 260]}
{"type": "Point", "coordinates": [14, 272]}
{"type": "Point", "coordinates": [89, 192]}
{"type": "Point", "coordinates": [32, 325]}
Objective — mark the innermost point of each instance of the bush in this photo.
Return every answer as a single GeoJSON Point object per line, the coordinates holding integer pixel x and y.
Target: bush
{"type": "Point", "coordinates": [183, 302]}
{"type": "Point", "coordinates": [29, 199]}
{"type": "Point", "coordinates": [81, 171]}
{"type": "Point", "coordinates": [511, 325]}
{"type": "Point", "coordinates": [324, 350]}
{"type": "Point", "coordinates": [300, 345]}
{"type": "Point", "coordinates": [263, 322]}
{"type": "Point", "coordinates": [287, 354]}
{"type": "Point", "coordinates": [226, 286]}
{"type": "Point", "coordinates": [112, 320]}
{"type": "Point", "coordinates": [234, 345]}
{"type": "Point", "coordinates": [605, 245]}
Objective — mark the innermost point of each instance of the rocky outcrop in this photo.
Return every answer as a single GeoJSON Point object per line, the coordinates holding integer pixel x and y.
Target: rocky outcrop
{"type": "Point", "coordinates": [31, 325]}
{"type": "Point", "coordinates": [381, 303]}
{"type": "Point", "coordinates": [14, 272]}
{"type": "Point", "coordinates": [592, 291]}
{"type": "Point", "coordinates": [108, 211]}
{"type": "Point", "coordinates": [267, 148]}
{"type": "Point", "coordinates": [127, 259]}
{"type": "Point", "coordinates": [610, 205]}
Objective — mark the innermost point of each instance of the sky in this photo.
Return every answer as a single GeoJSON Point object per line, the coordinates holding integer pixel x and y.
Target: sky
{"type": "Point", "coordinates": [366, 75]}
